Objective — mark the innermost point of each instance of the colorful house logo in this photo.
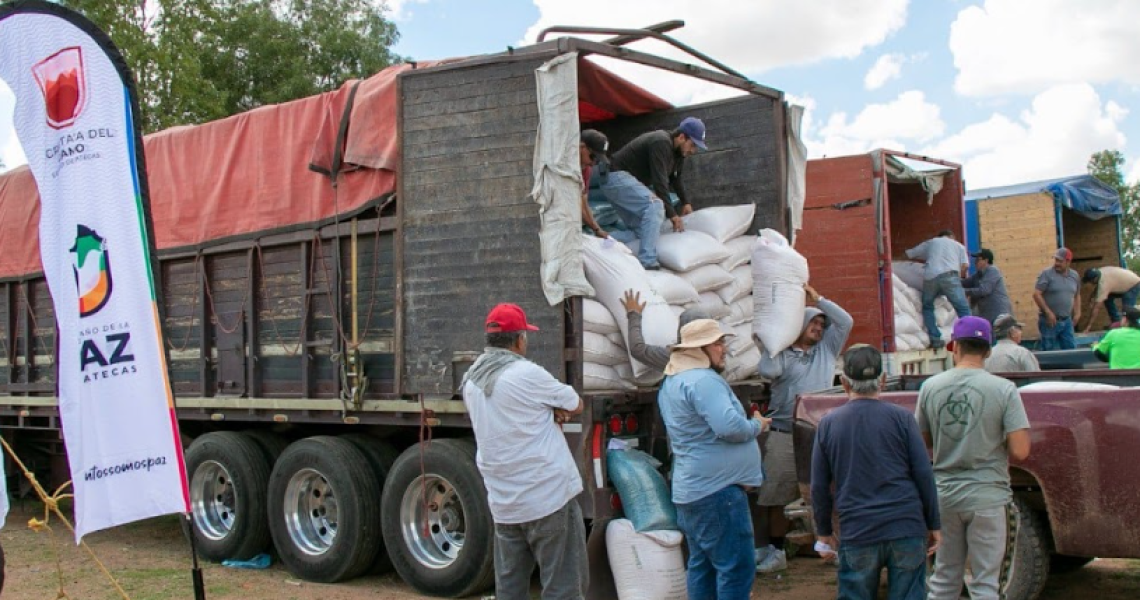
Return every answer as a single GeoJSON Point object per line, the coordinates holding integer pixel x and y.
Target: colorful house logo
{"type": "Point", "coordinates": [63, 85]}
{"type": "Point", "coordinates": [92, 269]}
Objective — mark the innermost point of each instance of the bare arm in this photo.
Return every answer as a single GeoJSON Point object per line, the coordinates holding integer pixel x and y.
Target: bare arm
{"type": "Point", "coordinates": [1093, 312]}
{"type": "Point", "coordinates": [588, 217]}
{"type": "Point", "coordinates": [1018, 444]}
{"type": "Point", "coordinates": [1039, 300]}
{"type": "Point", "coordinates": [1077, 306]}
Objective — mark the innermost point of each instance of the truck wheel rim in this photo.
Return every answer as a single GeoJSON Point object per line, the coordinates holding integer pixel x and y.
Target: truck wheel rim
{"type": "Point", "coordinates": [311, 512]}
{"type": "Point", "coordinates": [433, 521]}
{"type": "Point", "coordinates": [213, 501]}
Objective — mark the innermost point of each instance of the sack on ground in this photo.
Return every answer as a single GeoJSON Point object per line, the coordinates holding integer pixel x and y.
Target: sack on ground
{"type": "Point", "coordinates": [646, 566]}
{"type": "Point", "coordinates": [597, 348]}
{"type": "Point", "coordinates": [644, 496]}
{"type": "Point", "coordinates": [688, 250]}
{"type": "Point", "coordinates": [721, 222]}
{"type": "Point", "coordinates": [779, 274]}
{"type": "Point", "coordinates": [597, 318]}
{"type": "Point", "coordinates": [603, 377]}
{"type": "Point", "coordinates": [740, 251]}
{"type": "Point", "coordinates": [707, 278]}
{"type": "Point", "coordinates": [740, 287]}
{"type": "Point", "coordinates": [674, 289]}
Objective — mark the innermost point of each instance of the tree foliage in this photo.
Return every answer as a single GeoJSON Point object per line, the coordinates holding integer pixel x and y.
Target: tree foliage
{"type": "Point", "coordinates": [1108, 166]}
{"type": "Point", "coordinates": [198, 60]}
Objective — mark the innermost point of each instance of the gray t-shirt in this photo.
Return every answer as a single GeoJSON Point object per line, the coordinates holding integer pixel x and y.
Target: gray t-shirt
{"type": "Point", "coordinates": [1059, 290]}
{"type": "Point", "coordinates": [968, 414]}
{"type": "Point", "coordinates": [941, 255]}
{"type": "Point", "coordinates": [1008, 357]}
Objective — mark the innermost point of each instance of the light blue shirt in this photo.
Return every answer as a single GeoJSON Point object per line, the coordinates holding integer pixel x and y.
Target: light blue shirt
{"type": "Point", "coordinates": [714, 443]}
{"type": "Point", "coordinates": [941, 254]}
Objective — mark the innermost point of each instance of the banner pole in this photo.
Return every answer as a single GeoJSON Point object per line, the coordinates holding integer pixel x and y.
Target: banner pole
{"type": "Point", "coordinates": [195, 569]}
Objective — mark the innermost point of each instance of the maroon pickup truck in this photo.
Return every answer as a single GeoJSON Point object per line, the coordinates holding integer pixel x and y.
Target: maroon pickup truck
{"type": "Point", "coordinates": [1079, 490]}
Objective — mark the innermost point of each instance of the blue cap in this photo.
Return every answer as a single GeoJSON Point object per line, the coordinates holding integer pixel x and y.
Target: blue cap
{"type": "Point", "coordinates": [694, 129]}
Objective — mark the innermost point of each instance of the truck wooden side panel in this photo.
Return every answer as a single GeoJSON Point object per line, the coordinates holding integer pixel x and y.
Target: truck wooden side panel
{"type": "Point", "coordinates": [1094, 244]}
{"type": "Point", "coordinates": [469, 231]}
{"type": "Point", "coordinates": [1021, 231]}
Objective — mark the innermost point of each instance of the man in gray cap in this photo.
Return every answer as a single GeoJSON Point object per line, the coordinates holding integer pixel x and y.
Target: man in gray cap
{"type": "Point", "coordinates": [986, 287]}
{"type": "Point", "coordinates": [807, 365]}
{"type": "Point", "coordinates": [1008, 355]}
{"type": "Point", "coordinates": [1058, 296]}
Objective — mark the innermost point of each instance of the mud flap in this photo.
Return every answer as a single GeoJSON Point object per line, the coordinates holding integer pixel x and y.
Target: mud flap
{"type": "Point", "coordinates": [602, 585]}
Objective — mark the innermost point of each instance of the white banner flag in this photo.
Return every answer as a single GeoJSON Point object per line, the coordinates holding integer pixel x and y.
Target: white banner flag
{"type": "Point", "coordinates": [75, 118]}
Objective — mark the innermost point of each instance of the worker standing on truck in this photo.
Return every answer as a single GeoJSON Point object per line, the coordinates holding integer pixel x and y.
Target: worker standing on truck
{"type": "Point", "coordinates": [806, 366]}
{"type": "Point", "coordinates": [975, 422]}
{"type": "Point", "coordinates": [515, 408]}
{"type": "Point", "coordinates": [985, 288]}
{"type": "Point", "coordinates": [654, 356]}
{"type": "Point", "coordinates": [1120, 347]}
{"type": "Point", "coordinates": [946, 263]}
{"type": "Point", "coordinates": [1008, 355]}
{"type": "Point", "coordinates": [1058, 296]}
{"type": "Point", "coordinates": [715, 462]}
{"type": "Point", "coordinates": [638, 180]}
{"type": "Point", "coordinates": [1112, 284]}
{"type": "Point", "coordinates": [591, 151]}
{"type": "Point", "coordinates": [884, 487]}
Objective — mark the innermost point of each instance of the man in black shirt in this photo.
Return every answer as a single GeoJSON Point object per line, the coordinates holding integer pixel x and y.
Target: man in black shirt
{"type": "Point", "coordinates": [640, 177]}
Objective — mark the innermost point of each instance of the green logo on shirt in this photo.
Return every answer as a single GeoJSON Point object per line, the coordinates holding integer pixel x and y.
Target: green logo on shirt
{"type": "Point", "coordinates": [956, 416]}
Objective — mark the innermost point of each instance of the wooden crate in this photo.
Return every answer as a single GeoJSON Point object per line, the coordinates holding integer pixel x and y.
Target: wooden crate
{"type": "Point", "coordinates": [1022, 233]}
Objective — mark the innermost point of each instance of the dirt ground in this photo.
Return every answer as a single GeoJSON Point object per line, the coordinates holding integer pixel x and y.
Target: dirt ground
{"type": "Point", "coordinates": [151, 561]}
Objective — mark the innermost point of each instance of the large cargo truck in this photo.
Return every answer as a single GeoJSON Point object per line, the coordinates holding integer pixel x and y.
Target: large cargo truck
{"type": "Point", "coordinates": [325, 268]}
{"type": "Point", "coordinates": [860, 213]}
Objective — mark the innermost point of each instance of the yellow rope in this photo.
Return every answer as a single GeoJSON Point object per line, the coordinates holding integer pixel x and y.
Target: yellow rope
{"type": "Point", "coordinates": [51, 505]}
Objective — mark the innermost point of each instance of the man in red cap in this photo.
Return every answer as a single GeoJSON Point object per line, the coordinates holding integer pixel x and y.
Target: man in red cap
{"type": "Point", "coordinates": [532, 482]}
{"type": "Point", "coordinates": [1058, 296]}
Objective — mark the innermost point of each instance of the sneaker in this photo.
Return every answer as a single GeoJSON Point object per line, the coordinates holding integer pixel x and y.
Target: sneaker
{"type": "Point", "coordinates": [762, 553]}
{"type": "Point", "coordinates": [653, 268]}
{"type": "Point", "coordinates": [937, 343]}
{"type": "Point", "coordinates": [776, 560]}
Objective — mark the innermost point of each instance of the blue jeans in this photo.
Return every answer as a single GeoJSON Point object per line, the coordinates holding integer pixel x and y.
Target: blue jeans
{"type": "Point", "coordinates": [1127, 300]}
{"type": "Point", "coordinates": [905, 561]}
{"type": "Point", "coordinates": [947, 284]}
{"type": "Point", "coordinates": [718, 529]}
{"type": "Point", "coordinates": [639, 209]}
{"type": "Point", "coordinates": [1058, 337]}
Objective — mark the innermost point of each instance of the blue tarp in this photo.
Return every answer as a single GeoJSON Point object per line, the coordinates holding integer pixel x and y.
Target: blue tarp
{"type": "Point", "coordinates": [1084, 194]}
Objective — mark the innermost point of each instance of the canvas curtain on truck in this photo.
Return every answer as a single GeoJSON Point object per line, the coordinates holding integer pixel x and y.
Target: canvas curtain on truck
{"type": "Point", "coordinates": [558, 180]}
{"type": "Point", "coordinates": [75, 117]}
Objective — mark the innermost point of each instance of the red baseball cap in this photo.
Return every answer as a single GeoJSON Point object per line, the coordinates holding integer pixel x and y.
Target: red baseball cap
{"type": "Point", "coordinates": [506, 318]}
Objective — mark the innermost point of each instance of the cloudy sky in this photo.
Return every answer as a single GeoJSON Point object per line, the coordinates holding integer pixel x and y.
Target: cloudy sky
{"type": "Point", "coordinates": [1015, 90]}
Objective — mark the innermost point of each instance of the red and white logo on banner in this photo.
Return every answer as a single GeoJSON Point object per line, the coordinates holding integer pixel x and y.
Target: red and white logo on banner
{"type": "Point", "coordinates": [64, 86]}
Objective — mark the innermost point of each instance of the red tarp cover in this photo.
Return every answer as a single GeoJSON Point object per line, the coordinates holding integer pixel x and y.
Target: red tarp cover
{"type": "Point", "coordinates": [250, 173]}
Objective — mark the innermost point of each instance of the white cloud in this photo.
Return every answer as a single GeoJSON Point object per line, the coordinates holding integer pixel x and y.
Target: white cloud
{"type": "Point", "coordinates": [899, 124]}
{"type": "Point", "coordinates": [750, 37]}
{"type": "Point", "coordinates": [1026, 46]}
{"type": "Point", "coordinates": [399, 10]}
{"type": "Point", "coordinates": [1054, 137]}
{"type": "Point", "coordinates": [1133, 175]}
{"type": "Point", "coordinates": [888, 67]}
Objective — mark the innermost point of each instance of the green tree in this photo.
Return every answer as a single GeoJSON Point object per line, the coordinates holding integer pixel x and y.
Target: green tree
{"type": "Point", "coordinates": [199, 60]}
{"type": "Point", "coordinates": [1108, 166]}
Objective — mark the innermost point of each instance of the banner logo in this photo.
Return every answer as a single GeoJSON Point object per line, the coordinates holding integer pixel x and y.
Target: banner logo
{"type": "Point", "coordinates": [92, 268]}
{"type": "Point", "coordinates": [63, 85]}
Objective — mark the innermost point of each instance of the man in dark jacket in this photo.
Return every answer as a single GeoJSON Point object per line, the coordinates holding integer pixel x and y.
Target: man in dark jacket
{"type": "Point", "coordinates": [638, 180]}
{"type": "Point", "coordinates": [986, 288]}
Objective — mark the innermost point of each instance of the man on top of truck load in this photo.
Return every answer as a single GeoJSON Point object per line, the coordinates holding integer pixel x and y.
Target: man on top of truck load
{"type": "Point", "coordinates": [1120, 347]}
{"type": "Point", "coordinates": [975, 422]}
{"type": "Point", "coordinates": [986, 287]}
{"type": "Point", "coordinates": [591, 151]}
{"type": "Point", "coordinates": [639, 179]}
{"type": "Point", "coordinates": [654, 356]}
{"type": "Point", "coordinates": [806, 366]}
{"type": "Point", "coordinates": [715, 459]}
{"type": "Point", "coordinates": [1058, 296]}
{"type": "Point", "coordinates": [884, 487]}
{"type": "Point", "coordinates": [946, 263]}
{"type": "Point", "coordinates": [1008, 355]}
{"type": "Point", "coordinates": [532, 482]}
{"type": "Point", "coordinates": [1112, 284]}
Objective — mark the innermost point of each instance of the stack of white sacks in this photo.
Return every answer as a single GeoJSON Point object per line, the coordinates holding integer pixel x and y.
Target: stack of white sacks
{"type": "Point", "coordinates": [706, 265]}
{"type": "Point", "coordinates": [910, 333]}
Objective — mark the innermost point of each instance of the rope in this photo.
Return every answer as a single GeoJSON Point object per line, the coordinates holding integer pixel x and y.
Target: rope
{"type": "Point", "coordinates": [189, 328]}
{"type": "Point", "coordinates": [51, 505]}
{"type": "Point", "coordinates": [213, 308]}
{"type": "Point", "coordinates": [304, 299]}
{"type": "Point", "coordinates": [371, 299]}
{"type": "Point", "coordinates": [425, 441]}
{"type": "Point", "coordinates": [31, 311]}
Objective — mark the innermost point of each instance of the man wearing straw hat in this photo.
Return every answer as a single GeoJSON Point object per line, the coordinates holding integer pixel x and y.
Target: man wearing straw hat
{"type": "Point", "coordinates": [716, 460]}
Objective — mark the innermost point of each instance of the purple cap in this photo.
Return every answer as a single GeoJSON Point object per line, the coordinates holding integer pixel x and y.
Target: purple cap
{"type": "Point", "coordinates": [694, 129]}
{"type": "Point", "coordinates": [972, 328]}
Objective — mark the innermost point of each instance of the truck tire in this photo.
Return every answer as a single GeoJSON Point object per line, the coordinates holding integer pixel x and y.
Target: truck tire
{"type": "Point", "coordinates": [381, 456]}
{"type": "Point", "coordinates": [443, 546]}
{"type": "Point", "coordinates": [271, 444]}
{"type": "Point", "coordinates": [228, 481]}
{"type": "Point", "coordinates": [1031, 557]}
{"type": "Point", "coordinates": [1063, 563]}
{"type": "Point", "coordinates": [323, 512]}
